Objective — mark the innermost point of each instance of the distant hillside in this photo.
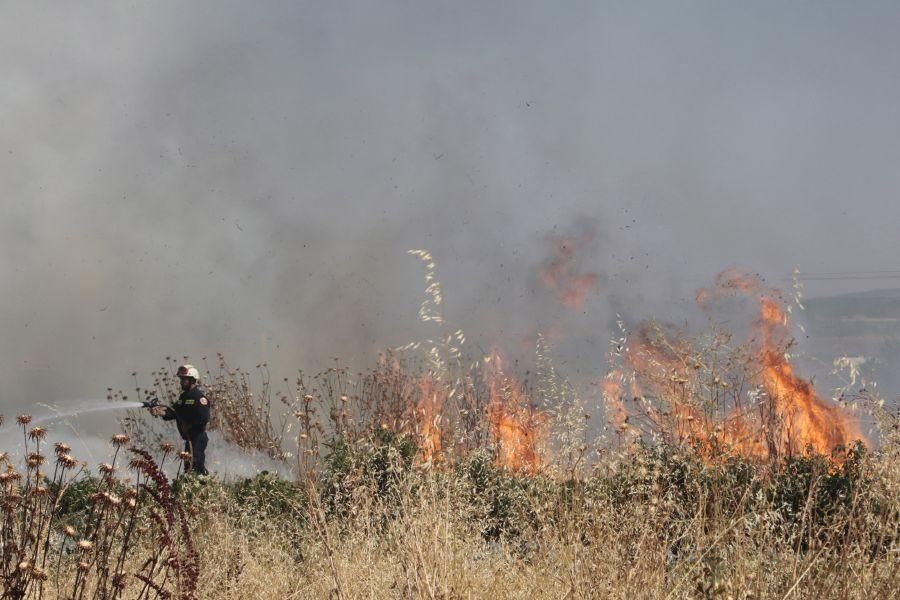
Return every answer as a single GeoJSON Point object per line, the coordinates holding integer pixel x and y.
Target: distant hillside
{"type": "Point", "coordinates": [857, 318]}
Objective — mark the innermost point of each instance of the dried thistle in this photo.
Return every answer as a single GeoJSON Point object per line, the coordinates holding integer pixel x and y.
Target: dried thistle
{"type": "Point", "coordinates": [67, 461]}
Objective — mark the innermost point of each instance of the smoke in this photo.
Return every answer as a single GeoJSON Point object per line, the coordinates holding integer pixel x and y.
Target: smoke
{"type": "Point", "coordinates": [219, 177]}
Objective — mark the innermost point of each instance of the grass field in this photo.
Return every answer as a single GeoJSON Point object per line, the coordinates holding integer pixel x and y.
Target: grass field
{"type": "Point", "coordinates": [715, 471]}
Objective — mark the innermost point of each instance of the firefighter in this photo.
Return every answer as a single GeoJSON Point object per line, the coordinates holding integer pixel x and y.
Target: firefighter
{"type": "Point", "coordinates": [191, 414]}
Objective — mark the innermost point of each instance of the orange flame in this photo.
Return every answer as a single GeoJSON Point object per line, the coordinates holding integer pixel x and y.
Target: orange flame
{"type": "Point", "coordinates": [793, 419]}
{"type": "Point", "coordinates": [428, 418]}
{"type": "Point", "coordinates": [517, 428]}
{"type": "Point", "coordinates": [806, 420]}
{"type": "Point", "coordinates": [611, 388]}
{"type": "Point", "coordinates": [571, 289]}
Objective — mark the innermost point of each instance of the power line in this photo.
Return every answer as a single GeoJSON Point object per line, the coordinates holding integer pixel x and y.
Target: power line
{"type": "Point", "coordinates": [842, 278]}
{"type": "Point", "coordinates": [843, 275]}
{"type": "Point", "coordinates": [878, 272]}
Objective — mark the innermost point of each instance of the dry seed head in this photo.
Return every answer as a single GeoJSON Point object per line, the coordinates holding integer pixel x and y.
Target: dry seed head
{"type": "Point", "coordinates": [38, 574]}
{"type": "Point", "coordinates": [184, 455]}
{"type": "Point", "coordinates": [68, 530]}
{"type": "Point", "coordinates": [83, 566]}
{"type": "Point", "coordinates": [41, 490]}
{"type": "Point", "coordinates": [25, 565]}
{"type": "Point", "coordinates": [85, 545]}
{"type": "Point", "coordinates": [61, 448]}
{"type": "Point", "coordinates": [166, 447]}
{"type": "Point", "coordinates": [23, 419]}
{"type": "Point", "coordinates": [67, 461]}
{"type": "Point", "coordinates": [138, 464]}
{"type": "Point", "coordinates": [106, 468]}
{"type": "Point", "coordinates": [37, 433]}
{"type": "Point", "coordinates": [119, 439]}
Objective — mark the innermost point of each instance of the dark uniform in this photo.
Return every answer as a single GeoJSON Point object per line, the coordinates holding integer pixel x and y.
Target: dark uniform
{"type": "Point", "coordinates": [191, 414]}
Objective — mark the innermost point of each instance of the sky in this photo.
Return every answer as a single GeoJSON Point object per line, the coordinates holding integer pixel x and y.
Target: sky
{"type": "Point", "coordinates": [247, 178]}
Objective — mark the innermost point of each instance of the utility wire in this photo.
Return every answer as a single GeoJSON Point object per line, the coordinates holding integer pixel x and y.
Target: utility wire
{"type": "Point", "coordinates": [843, 275]}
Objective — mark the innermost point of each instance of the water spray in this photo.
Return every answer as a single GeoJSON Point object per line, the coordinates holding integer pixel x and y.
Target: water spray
{"type": "Point", "coordinates": [94, 407]}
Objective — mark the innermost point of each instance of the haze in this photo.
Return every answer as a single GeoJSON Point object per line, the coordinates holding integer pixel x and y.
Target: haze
{"type": "Point", "coordinates": [246, 178]}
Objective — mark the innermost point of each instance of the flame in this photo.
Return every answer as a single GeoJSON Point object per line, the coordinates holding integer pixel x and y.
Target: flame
{"type": "Point", "coordinates": [792, 420]}
{"type": "Point", "coordinates": [518, 430]}
{"type": "Point", "coordinates": [611, 388]}
{"type": "Point", "coordinates": [571, 289]}
{"type": "Point", "coordinates": [428, 418]}
{"type": "Point", "coordinates": [806, 420]}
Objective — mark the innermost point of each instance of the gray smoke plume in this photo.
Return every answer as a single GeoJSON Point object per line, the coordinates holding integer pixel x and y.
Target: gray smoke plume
{"type": "Point", "coordinates": [191, 178]}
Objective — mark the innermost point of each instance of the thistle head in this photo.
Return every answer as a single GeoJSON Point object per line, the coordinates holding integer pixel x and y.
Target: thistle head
{"type": "Point", "coordinates": [67, 461]}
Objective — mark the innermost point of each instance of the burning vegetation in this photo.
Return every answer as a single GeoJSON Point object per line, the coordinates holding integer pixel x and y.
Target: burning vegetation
{"type": "Point", "coordinates": [720, 397]}
{"type": "Point", "coordinates": [409, 469]}
{"type": "Point", "coordinates": [720, 394]}
{"type": "Point", "coordinates": [518, 431]}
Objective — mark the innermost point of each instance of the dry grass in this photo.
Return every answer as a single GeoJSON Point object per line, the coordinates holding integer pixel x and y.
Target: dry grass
{"type": "Point", "coordinates": [398, 497]}
{"type": "Point", "coordinates": [433, 544]}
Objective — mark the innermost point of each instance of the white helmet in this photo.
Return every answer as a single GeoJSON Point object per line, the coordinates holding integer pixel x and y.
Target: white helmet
{"type": "Point", "coordinates": [189, 371]}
